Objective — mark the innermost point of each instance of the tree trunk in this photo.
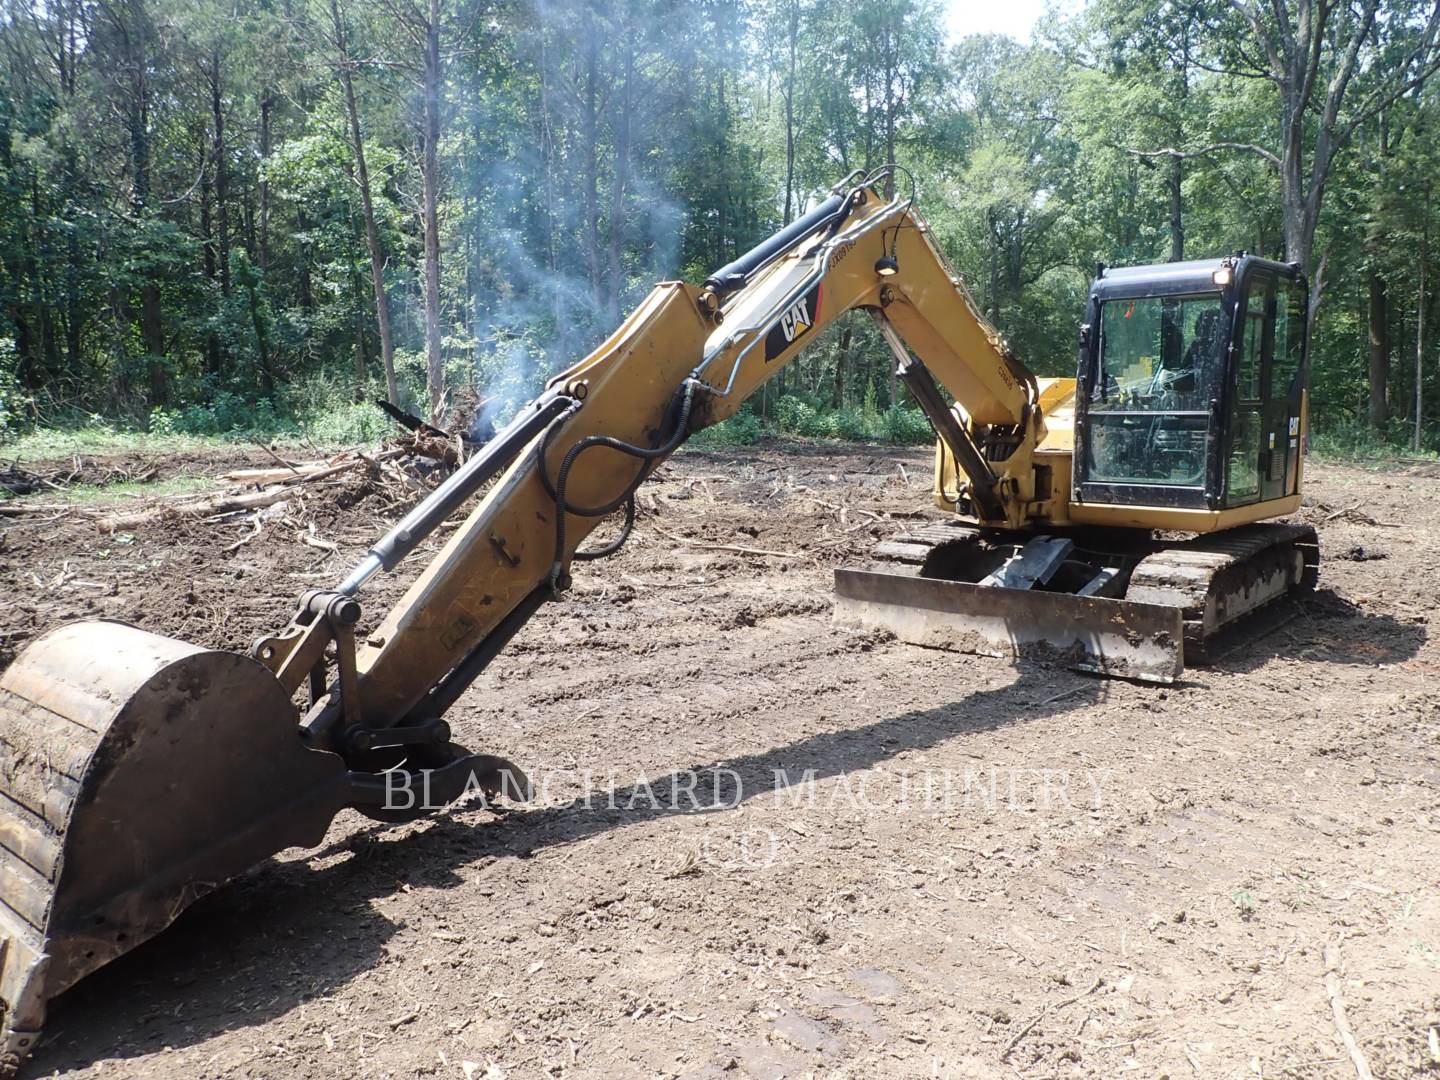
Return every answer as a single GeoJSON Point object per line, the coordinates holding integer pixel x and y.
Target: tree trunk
{"type": "Point", "coordinates": [619, 179]}
{"type": "Point", "coordinates": [794, 34]}
{"type": "Point", "coordinates": [307, 285]}
{"type": "Point", "coordinates": [262, 333]}
{"type": "Point", "coordinates": [152, 332]}
{"type": "Point", "coordinates": [249, 222]}
{"type": "Point", "coordinates": [137, 115]}
{"type": "Point", "coordinates": [1379, 351]}
{"type": "Point", "coordinates": [1420, 328]}
{"type": "Point", "coordinates": [994, 296]}
{"type": "Point", "coordinates": [842, 364]}
{"type": "Point", "coordinates": [892, 109]}
{"type": "Point", "coordinates": [207, 243]}
{"type": "Point", "coordinates": [430, 169]}
{"type": "Point", "coordinates": [222, 175]}
{"type": "Point", "coordinates": [76, 317]}
{"type": "Point", "coordinates": [1177, 208]}
{"type": "Point", "coordinates": [266, 104]}
{"type": "Point", "coordinates": [367, 205]}
{"type": "Point", "coordinates": [723, 218]}
{"type": "Point", "coordinates": [361, 363]}
{"type": "Point", "coordinates": [590, 131]}
{"type": "Point", "coordinates": [548, 157]}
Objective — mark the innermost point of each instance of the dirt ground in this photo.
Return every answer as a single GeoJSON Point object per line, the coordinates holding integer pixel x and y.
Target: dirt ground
{"type": "Point", "coordinates": [995, 871]}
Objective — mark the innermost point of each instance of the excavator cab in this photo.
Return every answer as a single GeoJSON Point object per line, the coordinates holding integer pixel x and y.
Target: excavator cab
{"type": "Point", "coordinates": [1190, 389]}
{"type": "Point", "coordinates": [1186, 416]}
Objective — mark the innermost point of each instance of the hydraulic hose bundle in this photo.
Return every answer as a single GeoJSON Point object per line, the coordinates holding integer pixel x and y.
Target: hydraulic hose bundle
{"type": "Point", "coordinates": [680, 406]}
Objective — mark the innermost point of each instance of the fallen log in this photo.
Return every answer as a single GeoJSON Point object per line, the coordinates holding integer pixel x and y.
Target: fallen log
{"type": "Point", "coordinates": [20, 509]}
{"type": "Point", "coordinates": [305, 471]}
{"type": "Point", "coordinates": [411, 422]}
{"type": "Point", "coordinates": [360, 459]}
{"type": "Point", "coordinates": [234, 502]}
{"type": "Point", "coordinates": [218, 504]}
{"type": "Point", "coordinates": [272, 476]}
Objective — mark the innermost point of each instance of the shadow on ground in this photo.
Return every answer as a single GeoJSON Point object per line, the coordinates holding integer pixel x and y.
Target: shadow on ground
{"type": "Point", "coordinates": [288, 932]}
{"type": "Point", "coordinates": [1325, 628]}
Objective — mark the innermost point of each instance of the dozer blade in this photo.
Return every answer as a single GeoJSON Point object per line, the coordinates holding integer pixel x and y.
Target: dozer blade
{"type": "Point", "coordinates": [137, 773]}
{"type": "Point", "coordinates": [1088, 633]}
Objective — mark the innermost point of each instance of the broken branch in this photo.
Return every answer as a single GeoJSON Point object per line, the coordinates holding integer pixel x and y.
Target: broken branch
{"type": "Point", "coordinates": [731, 547]}
{"type": "Point", "coordinates": [1042, 1014]}
{"type": "Point", "coordinates": [1337, 1008]}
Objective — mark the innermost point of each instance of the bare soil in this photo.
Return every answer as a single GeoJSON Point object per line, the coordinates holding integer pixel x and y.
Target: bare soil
{"type": "Point", "coordinates": [997, 870]}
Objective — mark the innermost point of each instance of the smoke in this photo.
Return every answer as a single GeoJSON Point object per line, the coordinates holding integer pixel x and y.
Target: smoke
{"type": "Point", "coordinates": [558, 261]}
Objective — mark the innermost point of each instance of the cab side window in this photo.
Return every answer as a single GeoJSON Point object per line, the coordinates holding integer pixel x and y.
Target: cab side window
{"type": "Point", "coordinates": [1290, 306]}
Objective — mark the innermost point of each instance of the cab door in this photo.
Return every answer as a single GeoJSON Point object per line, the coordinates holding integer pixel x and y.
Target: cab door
{"type": "Point", "coordinates": [1285, 376]}
{"type": "Point", "coordinates": [1265, 389]}
{"type": "Point", "coordinates": [1145, 422]}
{"type": "Point", "coordinates": [1245, 419]}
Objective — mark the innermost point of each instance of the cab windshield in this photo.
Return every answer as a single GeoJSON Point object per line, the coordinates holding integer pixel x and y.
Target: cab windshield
{"type": "Point", "coordinates": [1158, 353]}
{"type": "Point", "coordinates": [1159, 365]}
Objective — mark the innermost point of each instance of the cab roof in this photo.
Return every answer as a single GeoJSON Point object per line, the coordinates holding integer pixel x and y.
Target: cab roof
{"type": "Point", "coordinates": [1173, 279]}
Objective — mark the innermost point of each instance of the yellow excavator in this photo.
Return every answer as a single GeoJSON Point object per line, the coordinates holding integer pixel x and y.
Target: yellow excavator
{"type": "Point", "coordinates": [1111, 522]}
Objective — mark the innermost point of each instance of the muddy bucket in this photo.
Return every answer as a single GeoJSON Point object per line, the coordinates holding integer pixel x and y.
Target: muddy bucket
{"type": "Point", "coordinates": [137, 773]}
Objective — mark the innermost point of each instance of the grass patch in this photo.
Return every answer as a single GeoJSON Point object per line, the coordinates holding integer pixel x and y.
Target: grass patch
{"type": "Point", "coordinates": [69, 442]}
{"type": "Point", "coordinates": [87, 494]}
{"type": "Point", "coordinates": [1352, 443]}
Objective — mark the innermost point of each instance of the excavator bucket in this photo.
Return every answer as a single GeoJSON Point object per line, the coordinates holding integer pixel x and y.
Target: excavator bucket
{"type": "Point", "coordinates": [1113, 637]}
{"type": "Point", "coordinates": [137, 773]}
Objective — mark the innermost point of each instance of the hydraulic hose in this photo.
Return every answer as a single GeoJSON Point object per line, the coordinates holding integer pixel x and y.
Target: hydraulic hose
{"type": "Point", "coordinates": [387, 552]}
{"type": "Point", "coordinates": [626, 498]}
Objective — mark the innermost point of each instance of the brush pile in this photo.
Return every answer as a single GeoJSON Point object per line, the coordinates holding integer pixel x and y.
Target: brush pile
{"type": "Point", "coordinates": [402, 470]}
{"type": "Point", "coordinates": [17, 480]}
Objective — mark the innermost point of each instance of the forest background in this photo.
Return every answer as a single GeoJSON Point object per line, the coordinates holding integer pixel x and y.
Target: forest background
{"type": "Point", "coordinates": [255, 216]}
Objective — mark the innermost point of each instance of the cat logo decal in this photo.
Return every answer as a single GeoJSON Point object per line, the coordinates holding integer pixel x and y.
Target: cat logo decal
{"type": "Point", "coordinates": [796, 321]}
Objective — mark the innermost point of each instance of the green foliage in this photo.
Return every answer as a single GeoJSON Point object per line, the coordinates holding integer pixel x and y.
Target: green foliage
{"type": "Point", "coordinates": [1245, 903]}
{"type": "Point", "coordinates": [906, 427]}
{"type": "Point", "coordinates": [47, 443]}
{"type": "Point", "coordinates": [14, 402]}
{"type": "Point", "coordinates": [163, 274]}
{"type": "Point", "coordinates": [795, 415]}
{"type": "Point", "coordinates": [346, 423]}
{"type": "Point", "coordinates": [1356, 442]}
{"type": "Point", "coordinates": [742, 429]}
